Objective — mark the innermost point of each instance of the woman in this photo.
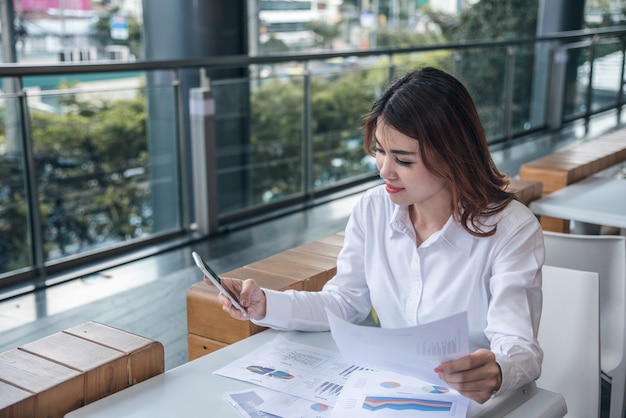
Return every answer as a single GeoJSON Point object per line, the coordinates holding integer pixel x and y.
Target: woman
{"type": "Point", "coordinates": [440, 236]}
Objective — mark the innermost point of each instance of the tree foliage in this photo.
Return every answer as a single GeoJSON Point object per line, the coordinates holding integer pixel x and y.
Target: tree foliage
{"type": "Point", "coordinates": [273, 45]}
{"type": "Point", "coordinates": [405, 38]}
{"type": "Point", "coordinates": [495, 19]}
{"type": "Point", "coordinates": [483, 71]}
{"type": "Point", "coordinates": [324, 33]}
{"type": "Point", "coordinates": [91, 166]}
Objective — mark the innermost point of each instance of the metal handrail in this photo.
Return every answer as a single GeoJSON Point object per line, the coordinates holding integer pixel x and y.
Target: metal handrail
{"type": "Point", "coordinates": [556, 42]}
{"type": "Point", "coordinates": [237, 61]}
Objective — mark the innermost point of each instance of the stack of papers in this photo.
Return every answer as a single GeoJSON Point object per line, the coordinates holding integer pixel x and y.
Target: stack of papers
{"type": "Point", "coordinates": [390, 373]}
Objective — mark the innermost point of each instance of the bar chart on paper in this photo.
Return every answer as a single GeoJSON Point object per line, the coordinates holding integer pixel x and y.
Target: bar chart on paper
{"type": "Point", "coordinates": [444, 347]}
{"type": "Point", "coordinates": [295, 369]}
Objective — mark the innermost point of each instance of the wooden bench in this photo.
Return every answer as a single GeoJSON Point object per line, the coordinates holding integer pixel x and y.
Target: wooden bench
{"type": "Point", "coordinates": [64, 371]}
{"type": "Point", "coordinates": [565, 167]}
{"type": "Point", "coordinates": [307, 267]}
{"type": "Point", "coordinates": [525, 190]}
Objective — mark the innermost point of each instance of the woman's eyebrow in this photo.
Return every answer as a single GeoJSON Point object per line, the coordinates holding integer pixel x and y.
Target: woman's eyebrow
{"type": "Point", "coordinates": [395, 151]}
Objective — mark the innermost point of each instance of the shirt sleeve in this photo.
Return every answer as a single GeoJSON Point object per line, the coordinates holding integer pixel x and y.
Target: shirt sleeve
{"type": "Point", "coordinates": [515, 309]}
{"type": "Point", "coordinates": [346, 294]}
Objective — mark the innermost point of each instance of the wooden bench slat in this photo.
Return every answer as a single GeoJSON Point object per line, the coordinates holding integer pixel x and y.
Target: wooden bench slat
{"type": "Point", "coordinates": [15, 402]}
{"type": "Point", "coordinates": [72, 368]}
{"type": "Point", "coordinates": [57, 389]}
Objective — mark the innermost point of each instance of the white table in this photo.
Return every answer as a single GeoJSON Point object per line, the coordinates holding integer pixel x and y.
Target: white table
{"type": "Point", "coordinates": [595, 200]}
{"type": "Point", "coordinates": [192, 390]}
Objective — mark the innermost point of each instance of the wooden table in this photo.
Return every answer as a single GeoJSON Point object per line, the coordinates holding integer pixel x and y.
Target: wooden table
{"type": "Point", "coordinates": [192, 390]}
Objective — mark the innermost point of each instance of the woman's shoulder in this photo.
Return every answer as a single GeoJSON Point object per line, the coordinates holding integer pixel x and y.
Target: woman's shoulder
{"type": "Point", "coordinates": [518, 209]}
{"type": "Point", "coordinates": [516, 214]}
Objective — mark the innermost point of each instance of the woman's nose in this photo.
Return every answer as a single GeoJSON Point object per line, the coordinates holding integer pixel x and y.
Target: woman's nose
{"type": "Point", "coordinates": [384, 170]}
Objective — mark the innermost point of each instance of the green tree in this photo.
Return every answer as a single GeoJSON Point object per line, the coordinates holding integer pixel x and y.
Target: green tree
{"type": "Point", "coordinates": [495, 19]}
{"type": "Point", "coordinates": [273, 45]}
{"type": "Point", "coordinates": [82, 161]}
{"type": "Point", "coordinates": [276, 140]}
{"type": "Point", "coordinates": [483, 71]}
{"type": "Point", "coordinates": [405, 38]}
{"type": "Point", "coordinates": [325, 33]}
{"type": "Point", "coordinates": [14, 238]}
{"type": "Point", "coordinates": [338, 105]}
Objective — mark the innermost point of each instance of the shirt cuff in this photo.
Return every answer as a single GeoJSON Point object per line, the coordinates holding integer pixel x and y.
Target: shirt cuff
{"type": "Point", "coordinates": [277, 310]}
{"type": "Point", "coordinates": [505, 369]}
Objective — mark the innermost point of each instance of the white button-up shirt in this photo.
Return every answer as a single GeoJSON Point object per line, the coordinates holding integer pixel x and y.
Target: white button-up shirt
{"type": "Point", "coordinates": [496, 279]}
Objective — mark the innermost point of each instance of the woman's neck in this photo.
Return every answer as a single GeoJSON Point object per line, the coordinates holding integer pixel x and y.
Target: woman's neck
{"type": "Point", "coordinates": [428, 220]}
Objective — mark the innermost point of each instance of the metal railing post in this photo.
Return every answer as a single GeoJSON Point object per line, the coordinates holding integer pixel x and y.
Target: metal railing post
{"type": "Point", "coordinates": [620, 91]}
{"type": "Point", "coordinates": [183, 174]}
{"type": "Point", "coordinates": [589, 92]}
{"type": "Point", "coordinates": [456, 64]}
{"type": "Point", "coordinates": [509, 83]}
{"type": "Point", "coordinates": [392, 69]}
{"type": "Point", "coordinates": [554, 117]}
{"type": "Point", "coordinates": [32, 192]}
{"type": "Point", "coordinates": [204, 161]}
{"type": "Point", "coordinates": [307, 135]}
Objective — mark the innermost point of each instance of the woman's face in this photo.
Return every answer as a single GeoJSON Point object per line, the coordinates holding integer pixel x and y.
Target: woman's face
{"type": "Point", "coordinates": [400, 164]}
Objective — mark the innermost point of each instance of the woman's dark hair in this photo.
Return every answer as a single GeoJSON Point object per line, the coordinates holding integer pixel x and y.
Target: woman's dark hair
{"type": "Point", "coordinates": [435, 109]}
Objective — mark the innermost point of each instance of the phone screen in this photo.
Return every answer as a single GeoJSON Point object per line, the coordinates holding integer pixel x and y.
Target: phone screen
{"type": "Point", "coordinates": [215, 279]}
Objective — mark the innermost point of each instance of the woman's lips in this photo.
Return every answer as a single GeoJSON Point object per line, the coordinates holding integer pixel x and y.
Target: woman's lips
{"type": "Point", "coordinates": [391, 189]}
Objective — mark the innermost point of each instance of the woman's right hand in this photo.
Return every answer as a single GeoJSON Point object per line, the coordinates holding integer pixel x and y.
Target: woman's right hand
{"type": "Point", "coordinates": [250, 296]}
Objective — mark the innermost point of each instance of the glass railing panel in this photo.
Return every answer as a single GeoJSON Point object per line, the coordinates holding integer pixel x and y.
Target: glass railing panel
{"type": "Point", "coordinates": [259, 137]}
{"type": "Point", "coordinates": [103, 184]}
{"type": "Point", "coordinates": [605, 83]}
{"type": "Point", "coordinates": [339, 100]}
{"type": "Point", "coordinates": [97, 167]}
{"type": "Point", "coordinates": [483, 72]}
{"type": "Point", "coordinates": [524, 91]}
{"type": "Point", "coordinates": [576, 82]}
{"type": "Point", "coordinates": [15, 241]}
{"type": "Point", "coordinates": [164, 162]}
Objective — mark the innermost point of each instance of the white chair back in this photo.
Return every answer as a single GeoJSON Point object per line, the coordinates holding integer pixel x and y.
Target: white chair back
{"type": "Point", "coordinates": [569, 334]}
{"type": "Point", "coordinates": [606, 255]}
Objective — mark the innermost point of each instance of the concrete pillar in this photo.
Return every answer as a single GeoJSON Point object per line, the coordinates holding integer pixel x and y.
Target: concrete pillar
{"type": "Point", "coordinates": [555, 16]}
{"type": "Point", "coordinates": [189, 29]}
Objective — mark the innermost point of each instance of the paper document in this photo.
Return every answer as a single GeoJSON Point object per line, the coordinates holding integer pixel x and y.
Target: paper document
{"type": "Point", "coordinates": [414, 351]}
{"type": "Point", "coordinates": [246, 402]}
{"type": "Point", "coordinates": [296, 369]}
{"type": "Point", "coordinates": [266, 403]}
{"type": "Point", "coordinates": [381, 372]}
{"type": "Point", "coordinates": [383, 394]}
{"type": "Point", "coordinates": [287, 406]}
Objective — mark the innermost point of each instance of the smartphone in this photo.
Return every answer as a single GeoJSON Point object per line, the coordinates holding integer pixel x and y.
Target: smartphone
{"type": "Point", "coordinates": [215, 279]}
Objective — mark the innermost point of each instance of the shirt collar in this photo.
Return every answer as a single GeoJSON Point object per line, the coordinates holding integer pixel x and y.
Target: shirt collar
{"type": "Point", "coordinates": [452, 231]}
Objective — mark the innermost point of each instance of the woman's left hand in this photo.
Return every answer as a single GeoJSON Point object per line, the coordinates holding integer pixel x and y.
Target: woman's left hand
{"type": "Point", "coordinates": [476, 376]}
